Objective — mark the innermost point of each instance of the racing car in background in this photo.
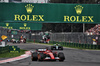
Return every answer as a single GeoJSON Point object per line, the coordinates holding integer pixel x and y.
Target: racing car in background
{"type": "Point", "coordinates": [15, 41]}
{"type": "Point", "coordinates": [18, 41]}
{"type": "Point", "coordinates": [56, 47]}
{"type": "Point", "coordinates": [45, 54]}
{"type": "Point", "coordinates": [23, 41]}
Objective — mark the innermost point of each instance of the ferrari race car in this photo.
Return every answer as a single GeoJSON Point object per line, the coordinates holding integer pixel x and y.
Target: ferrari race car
{"type": "Point", "coordinates": [56, 47]}
{"type": "Point", "coordinates": [45, 54]}
{"type": "Point", "coordinates": [23, 41]}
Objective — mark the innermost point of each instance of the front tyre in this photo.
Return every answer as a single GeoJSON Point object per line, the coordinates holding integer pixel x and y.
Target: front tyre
{"type": "Point", "coordinates": [41, 56]}
{"type": "Point", "coordinates": [51, 47]}
{"type": "Point", "coordinates": [61, 48]}
{"type": "Point", "coordinates": [34, 56]}
{"type": "Point", "coordinates": [61, 56]}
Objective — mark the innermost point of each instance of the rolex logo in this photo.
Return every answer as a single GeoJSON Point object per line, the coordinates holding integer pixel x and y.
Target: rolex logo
{"type": "Point", "coordinates": [25, 24]}
{"type": "Point", "coordinates": [7, 24]}
{"type": "Point", "coordinates": [29, 8]}
{"type": "Point", "coordinates": [78, 9]}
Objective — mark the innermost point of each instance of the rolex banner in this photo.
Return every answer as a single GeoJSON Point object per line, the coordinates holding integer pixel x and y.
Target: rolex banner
{"type": "Point", "coordinates": [22, 26]}
{"type": "Point", "coordinates": [49, 13]}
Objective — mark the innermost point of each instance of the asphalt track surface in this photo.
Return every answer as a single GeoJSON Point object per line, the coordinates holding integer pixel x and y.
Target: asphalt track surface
{"type": "Point", "coordinates": [74, 57]}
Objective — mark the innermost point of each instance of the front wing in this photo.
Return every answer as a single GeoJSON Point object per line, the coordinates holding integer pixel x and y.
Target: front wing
{"type": "Point", "coordinates": [48, 58]}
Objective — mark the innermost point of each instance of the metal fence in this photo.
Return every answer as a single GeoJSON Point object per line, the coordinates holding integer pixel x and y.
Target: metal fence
{"type": "Point", "coordinates": [75, 37]}
{"type": "Point", "coordinates": [69, 37]}
{"type": "Point", "coordinates": [60, 37]}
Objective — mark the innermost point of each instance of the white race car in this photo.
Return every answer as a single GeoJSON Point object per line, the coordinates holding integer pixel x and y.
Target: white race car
{"type": "Point", "coordinates": [56, 47]}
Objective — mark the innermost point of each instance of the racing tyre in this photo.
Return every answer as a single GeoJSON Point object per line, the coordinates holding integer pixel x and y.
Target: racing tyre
{"type": "Point", "coordinates": [61, 56]}
{"type": "Point", "coordinates": [18, 41]}
{"type": "Point", "coordinates": [24, 42]}
{"type": "Point", "coordinates": [51, 47]}
{"type": "Point", "coordinates": [41, 57]}
{"type": "Point", "coordinates": [34, 56]}
{"type": "Point", "coordinates": [14, 41]}
{"type": "Point", "coordinates": [61, 48]}
{"type": "Point", "coordinates": [55, 55]}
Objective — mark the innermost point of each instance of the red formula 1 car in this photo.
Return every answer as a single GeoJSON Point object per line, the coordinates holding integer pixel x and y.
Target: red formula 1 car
{"type": "Point", "coordinates": [45, 54]}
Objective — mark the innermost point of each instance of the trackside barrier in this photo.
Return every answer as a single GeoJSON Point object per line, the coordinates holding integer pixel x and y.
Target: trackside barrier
{"type": "Point", "coordinates": [74, 45]}
{"type": "Point", "coordinates": [14, 49]}
{"type": "Point", "coordinates": [9, 49]}
{"type": "Point", "coordinates": [29, 40]}
{"type": "Point", "coordinates": [77, 45]}
{"type": "Point", "coordinates": [4, 49]}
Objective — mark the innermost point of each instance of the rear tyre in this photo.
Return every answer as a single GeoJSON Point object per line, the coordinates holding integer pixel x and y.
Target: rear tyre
{"type": "Point", "coordinates": [51, 47]}
{"type": "Point", "coordinates": [61, 56]}
{"type": "Point", "coordinates": [24, 42]}
{"type": "Point", "coordinates": [14, 41]}
{"type": "Point", "coordinates": [61, 48]}
{"type": "Point", "coordinates": [34, 56]}
{"type": "Point", "coordinates": [18, 41]}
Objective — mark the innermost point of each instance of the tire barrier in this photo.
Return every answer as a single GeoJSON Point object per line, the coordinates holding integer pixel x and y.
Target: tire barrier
{"type": "Point", "coordinates": [74, 45]}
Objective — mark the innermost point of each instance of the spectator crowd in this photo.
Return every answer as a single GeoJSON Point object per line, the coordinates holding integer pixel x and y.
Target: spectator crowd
{"type": "Point", "coordinates": [94, 30]}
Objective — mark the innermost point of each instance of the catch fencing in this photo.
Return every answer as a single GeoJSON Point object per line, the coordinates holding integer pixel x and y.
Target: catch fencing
{"type": "Point", "coordinates": [68, 37]}
{"type": "Point", "coordinates": [81, 38]}
{"type": "Point", "coordinates": [75, 37]}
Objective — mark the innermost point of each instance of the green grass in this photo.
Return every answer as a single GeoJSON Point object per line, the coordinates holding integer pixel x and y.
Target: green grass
{"type": "Point", "coordinates": [9, 55]}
